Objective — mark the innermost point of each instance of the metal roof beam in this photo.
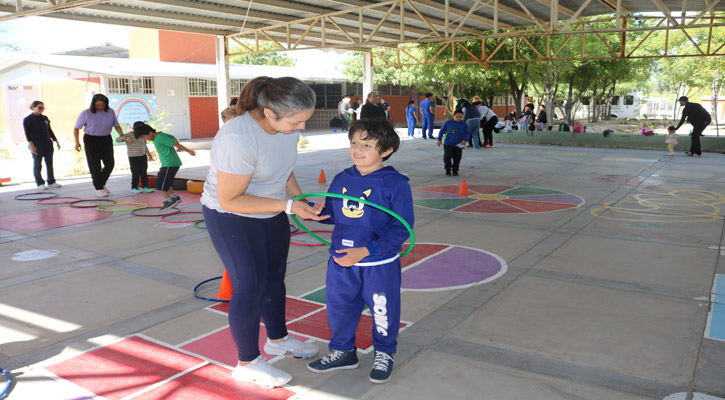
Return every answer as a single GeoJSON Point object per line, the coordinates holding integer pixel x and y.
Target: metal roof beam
{"type": "Point", "coordinates": [18, 11]}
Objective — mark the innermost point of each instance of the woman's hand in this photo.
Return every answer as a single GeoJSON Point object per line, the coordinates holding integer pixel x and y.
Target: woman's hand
{"type": "Point", "coordinates": [57, 144]}
{"type": "Point", "coordinates": [302, 209]}
{"type": "Point", "coordinates": [78, 146]}
{"type": "Point", "coordinates": [32, 148]}
{"type": "Point", "coordinates": [352, 256]}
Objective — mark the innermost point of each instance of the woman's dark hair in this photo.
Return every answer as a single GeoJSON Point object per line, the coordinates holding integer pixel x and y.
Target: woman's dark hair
{"type": "Point", "coordinates": [36, 103]}
{"type": "Point", "coordinates": [411, 102]}
{"type": "Point", "coordinates": [462, 104]}
{"type": "Point", "coordinates": [96, 98]}
{"type": "Point", "coordinates": [376, 128]}
{"type": "Point", "coordinates": [284, 96]}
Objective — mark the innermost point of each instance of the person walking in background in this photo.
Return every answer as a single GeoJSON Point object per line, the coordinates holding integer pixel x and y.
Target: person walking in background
{"type": "Point", "coordinates": [541, 118]}
{"type": "Point", "coordinates": [411, 116]}
{"type": "Point", "coordinates": [246, 199]}
{"type": "Point", "coordinates": [355, 105]}
{"type": "Point", "coordinates": [138, 158]}
{"type": "Point", "coordinates": [343, 110]}
{"type": "Point", "coordinates": [40, 138]}
{"type": "Point", "coordinates": [427, 110]}
{"type": "Point", "coordinates": [97, 122]}
{"type": "Point", "coordinates": [386, 108]}
{"type": "Point", "coordinates": [453, 135]}
{"type": "Point", "coordinates": [699, 118]}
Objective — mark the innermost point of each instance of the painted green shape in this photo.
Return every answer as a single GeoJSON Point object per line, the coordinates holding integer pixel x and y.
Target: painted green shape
{"type": "Point", "coordinates": [442, 204]}
{"type": "Point", "coordinates": [524, 191]}
{"type": "Point", "coordinates": [317, 296]}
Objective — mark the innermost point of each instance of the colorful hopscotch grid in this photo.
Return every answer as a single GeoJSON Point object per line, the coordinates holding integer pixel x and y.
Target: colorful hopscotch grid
{"type": "Point", "coordinates": [716, 319]}
{"type": "Point", "coordinates": [140, 368]}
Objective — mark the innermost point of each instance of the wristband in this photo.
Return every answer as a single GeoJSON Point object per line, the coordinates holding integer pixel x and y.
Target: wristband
{"type": "Point", "coordinates": [288, 210]}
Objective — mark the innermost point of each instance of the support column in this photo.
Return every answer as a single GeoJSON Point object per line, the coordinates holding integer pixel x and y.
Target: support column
{"type": "Point", "coordinates": [367, 74]}
{"type": "Point", "coordinates": [222, 74]}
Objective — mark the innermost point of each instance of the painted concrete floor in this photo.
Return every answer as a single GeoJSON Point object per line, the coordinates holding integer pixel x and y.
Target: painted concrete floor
{"type": "Point", "coordinates": [563, 273]}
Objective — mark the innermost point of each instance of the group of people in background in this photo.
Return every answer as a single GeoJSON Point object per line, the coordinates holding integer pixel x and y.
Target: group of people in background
{"type": "Point", "coordinates": [349, 109]}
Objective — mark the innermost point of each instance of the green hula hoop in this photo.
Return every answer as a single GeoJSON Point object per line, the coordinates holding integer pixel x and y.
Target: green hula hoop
{"type": "Point", "coordinates": [103, 207]}
{"type": "Point", "coordinates": [359, 200]}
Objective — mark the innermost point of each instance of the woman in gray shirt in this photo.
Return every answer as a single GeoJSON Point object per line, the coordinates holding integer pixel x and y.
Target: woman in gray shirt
{"type": "Point", "coordinates": [247, 196]}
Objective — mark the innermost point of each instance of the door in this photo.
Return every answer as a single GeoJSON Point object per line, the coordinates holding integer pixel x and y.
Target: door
{"type": "Point", "coordinates": [17, 101]}
{"type": "Point", "coordinates": [172, 97]}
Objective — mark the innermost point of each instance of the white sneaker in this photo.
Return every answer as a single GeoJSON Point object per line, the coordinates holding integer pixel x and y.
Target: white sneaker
{"type": "Point", "coordinates": [42, 187]}
{"type": "Point", "coordinates": [261, 373]}
{"type": "Point", "coordinates": [101, 193]}
{"type": "Point", "coordinates": [55, 185]}
{"type": "Point", "coordinates": [106, 190]}
{"type": "Point", "coordinates": [291, 347]}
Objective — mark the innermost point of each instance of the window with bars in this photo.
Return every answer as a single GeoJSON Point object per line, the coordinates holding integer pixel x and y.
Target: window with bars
{"type": "Point", "coordinates": [393, 90]}
{"type": "Point", "coordinates": [354, 89]}
{"type": "Point", "coordinates": [199, 87]}
{"type": "Point", "coordinates": [236, 86]}
{"type": "Point", "coordinates": [328, 95]}
{"type": "Point", "coordinates": [143, 85]}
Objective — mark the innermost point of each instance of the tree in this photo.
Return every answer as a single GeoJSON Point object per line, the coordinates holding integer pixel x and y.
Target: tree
{"type": "Point", "coordinates": [5, 46]}
{"type": "Point", "coordinates": [261, 58]}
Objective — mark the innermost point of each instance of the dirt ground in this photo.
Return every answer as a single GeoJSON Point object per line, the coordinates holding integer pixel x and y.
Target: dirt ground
{"type": "Point", "coordinates": [635, 126]}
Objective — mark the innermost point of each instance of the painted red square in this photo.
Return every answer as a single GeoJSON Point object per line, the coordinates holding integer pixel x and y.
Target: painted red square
{"type": "Point", "coordinates": [123, 368]}
{"type": "Point", "coordinates": [212, 382]}
{"type": "Point", "coordinates": [316, 325]}
{"type": "Point", "coordinates": [420, 251]}
{"type": "Point", "coordinates": [220, 346]}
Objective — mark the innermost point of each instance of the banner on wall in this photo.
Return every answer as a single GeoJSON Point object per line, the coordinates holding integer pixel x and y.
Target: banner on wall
{"type": "Point", "coordinates": [132, 108]}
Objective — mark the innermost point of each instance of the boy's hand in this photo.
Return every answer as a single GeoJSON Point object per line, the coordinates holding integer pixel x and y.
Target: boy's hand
{"type": "Point", "coordinates": [352, 256]}
{"type": "Point", "coordinates": [438, 143]}
{"type": "Point", "coordinates": [464, 143]}
{"type": "Point", "coordinates": [149, 157]}
{"type": "Point", "coordinates": [192, 152]}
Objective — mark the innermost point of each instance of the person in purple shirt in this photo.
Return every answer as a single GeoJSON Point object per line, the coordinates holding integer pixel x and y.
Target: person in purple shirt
{"type": "Point", "coordinates": [97, 121]}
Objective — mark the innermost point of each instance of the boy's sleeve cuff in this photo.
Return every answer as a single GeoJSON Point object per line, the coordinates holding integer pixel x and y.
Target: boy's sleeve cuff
{"type": "Point", "coordinates": [373, 249]}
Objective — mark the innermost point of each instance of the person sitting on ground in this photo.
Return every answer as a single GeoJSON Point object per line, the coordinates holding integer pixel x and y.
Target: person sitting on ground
{"type": "Point", "coordinates": [166, 146]}
{"type": "Point", "coordinates": [453, 135]}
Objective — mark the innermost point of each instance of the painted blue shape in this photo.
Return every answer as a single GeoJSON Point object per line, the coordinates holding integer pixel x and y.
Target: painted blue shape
{"type": "Point", "coordinates": [717, 322]}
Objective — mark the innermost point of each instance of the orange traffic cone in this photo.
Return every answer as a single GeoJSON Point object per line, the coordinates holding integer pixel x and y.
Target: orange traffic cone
{"type": "Point", "coordinates": [322, 179]}
{"type": "Point", "coordinates": [463, 191]}
{"type": "Point", "coordinates": [225, 288]}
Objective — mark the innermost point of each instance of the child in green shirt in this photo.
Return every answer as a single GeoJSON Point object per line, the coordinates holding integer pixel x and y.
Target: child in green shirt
{"type": "Point", "coordinates": [166, 146]}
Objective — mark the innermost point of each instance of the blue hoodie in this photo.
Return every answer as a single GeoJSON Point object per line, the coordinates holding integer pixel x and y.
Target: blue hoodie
{"type": "Point", "coordinates": [360, 225]}
{"type": "Point", "coordinates": [452, 133]}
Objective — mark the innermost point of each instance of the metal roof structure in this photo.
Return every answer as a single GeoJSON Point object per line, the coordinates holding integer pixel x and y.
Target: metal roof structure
{"type": "Point", "coordinates": [386, 24]}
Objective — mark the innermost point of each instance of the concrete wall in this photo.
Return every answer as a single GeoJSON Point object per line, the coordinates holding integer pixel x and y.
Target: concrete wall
{"type": "Point", "coordinates": [143, 43]}
{"type": "Point", "coordinates": [187, 47]}
{"type": "Point", "coordinates": [203, 117]}
{"type": "Point", "coordinates": [591, 139]}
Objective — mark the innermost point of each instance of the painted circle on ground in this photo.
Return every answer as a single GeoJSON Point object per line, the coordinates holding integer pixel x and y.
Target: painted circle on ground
{"type": "Point", "coordinates": [34, 255]}
{"type": "Point", "coordinates": [436, 266]}
{"type": "Point", "coordinates": [495, 199]}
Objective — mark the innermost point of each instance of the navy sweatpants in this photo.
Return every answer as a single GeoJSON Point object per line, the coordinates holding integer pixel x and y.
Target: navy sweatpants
{"type": "Point", "coordinates": [254, 253]}
{"type": "Point", "coordinates": [349, 289]}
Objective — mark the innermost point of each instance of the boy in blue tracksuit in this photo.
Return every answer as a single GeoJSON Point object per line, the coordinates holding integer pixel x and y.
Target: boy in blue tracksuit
{"type": "Point", "coordinates": [453, 135]}
{"type": "Point", "coordinates": [364, 267]}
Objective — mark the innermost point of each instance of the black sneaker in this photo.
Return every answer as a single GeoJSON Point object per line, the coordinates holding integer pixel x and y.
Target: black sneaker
{"type": "Point", "coordinates": [448, 173]}
{"type": "Point", "coordinates": [170, 202]}
{"type": "Point", "coordinates": [455, 174]}
{"type": "Point", "coordinates": [382, 367]}
{"type": "Point", "coordinates": [338, 359]}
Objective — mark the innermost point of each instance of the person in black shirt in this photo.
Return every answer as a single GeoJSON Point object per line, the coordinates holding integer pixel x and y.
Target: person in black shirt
{"type": "Point", "coordinates": [372, 108]}
{"type": "Point", "coordinates": [699, 118]}
{"type": "Point", "coordinates": [40, 142]}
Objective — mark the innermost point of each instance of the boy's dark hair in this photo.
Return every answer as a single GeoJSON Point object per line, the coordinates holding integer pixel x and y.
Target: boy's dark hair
{"type": "Point", "coordinates": [457, 111]}
{"type": "Point", "coordinates": [377, 128]}
{"type": "Point", "coordinates": [141, 129]}
{"type": "Point", "coordinates": [428, 94]}
{"type": "Point", "coordinates": [671, 128]}
{"type": "Point", "coordinates": [410, 102]}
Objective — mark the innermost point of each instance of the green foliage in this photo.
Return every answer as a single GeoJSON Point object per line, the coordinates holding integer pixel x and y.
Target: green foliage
{"type": "Point", "coordinates": [157, 122]}
{"type": "Point", "coordinates": [6, 46]}
{"type": "Point", "coordinates": [271, 58]}
{"type": "Point", "coordinates": [79, 164]}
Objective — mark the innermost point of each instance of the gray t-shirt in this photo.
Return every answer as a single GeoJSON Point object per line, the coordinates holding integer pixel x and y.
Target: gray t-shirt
{"type": "Point", "coordinates": [242, 147]}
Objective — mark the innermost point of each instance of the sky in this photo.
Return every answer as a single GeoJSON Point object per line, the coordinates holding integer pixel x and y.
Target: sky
{"type": "Point", "coordinates": [50, 35]}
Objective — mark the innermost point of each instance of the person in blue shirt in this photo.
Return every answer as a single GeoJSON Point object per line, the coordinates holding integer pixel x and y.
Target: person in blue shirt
{"type": "Point", "coordinates": [40, 138]}
{"type": "Point", "coordinates": [427, 109]}
{"type": "Point", "coordinates": [412, 117]}
{"type": "Point", "coordinates": [453, 135]}
{"type": "Point", "coordinates": [364, 263]}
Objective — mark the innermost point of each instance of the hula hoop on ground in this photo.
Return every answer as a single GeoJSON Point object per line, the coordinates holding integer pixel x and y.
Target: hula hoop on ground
{"type": "Point", "coordinates": [103, 207]}
{"type": "Point", "coordinates": [44, 203]}
{"type": "Point", "coordinates": [308, 244]}
{"type": "Point", "coordinates": [196, 224]}
{"type": "Point", "coordinates": [295, 228]}
{"type": "Point", "coordinates": [6, 390]}
{"type": "Point", "coordinates": [75, 203]}
{"type": "Point", "coordinates": [44, 195]}
{"type": "Point", "coordinates": [208, 298]}
{"type": "Point", "coordinates": [182, 222]}
{"type": "Point", "coordinates": [173, 210]}
{"type": "Point", "coordinates": [359, 200]}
